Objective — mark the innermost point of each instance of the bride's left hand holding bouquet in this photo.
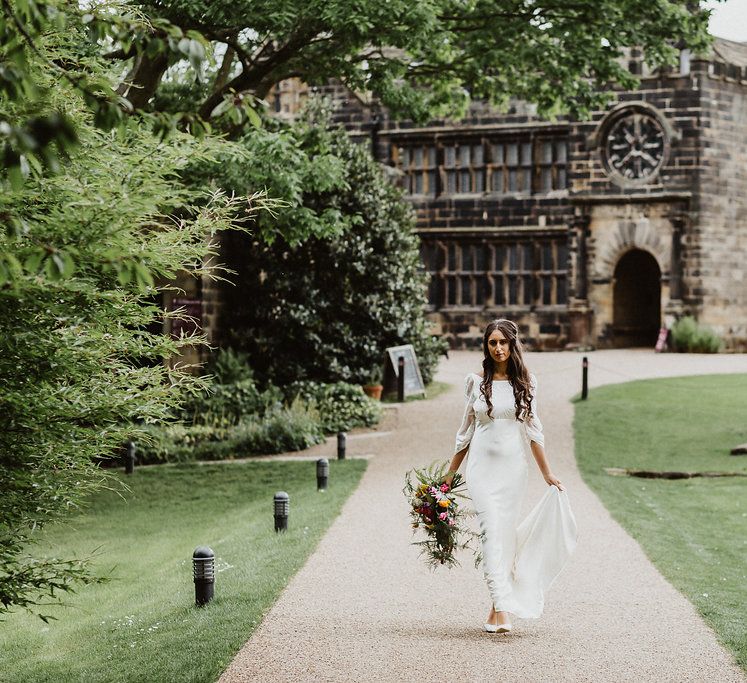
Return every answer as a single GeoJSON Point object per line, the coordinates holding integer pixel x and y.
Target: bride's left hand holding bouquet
{"type": "Point", "coordinates": [433, 494]}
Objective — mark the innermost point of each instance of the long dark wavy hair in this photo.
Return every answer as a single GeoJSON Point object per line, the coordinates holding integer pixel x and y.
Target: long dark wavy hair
{"type": "Point", "coordinates": [517, 372]}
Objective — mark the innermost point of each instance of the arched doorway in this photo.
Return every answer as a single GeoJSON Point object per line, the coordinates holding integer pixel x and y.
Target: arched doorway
{"type": "Point", "coordinates": [636, 300]}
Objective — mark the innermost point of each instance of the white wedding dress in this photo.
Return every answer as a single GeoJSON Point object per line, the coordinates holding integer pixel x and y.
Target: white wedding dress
{"type": "Point", "coordinates": [520, 561]}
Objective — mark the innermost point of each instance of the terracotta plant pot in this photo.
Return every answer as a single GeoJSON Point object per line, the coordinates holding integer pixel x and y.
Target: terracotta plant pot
{"type": "Point", "coordinates": [373, 390]}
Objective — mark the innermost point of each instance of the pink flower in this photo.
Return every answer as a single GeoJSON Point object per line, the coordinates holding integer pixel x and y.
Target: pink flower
{"type": "Point", "coordinates": [451, 522]}
{"type": "Point", "coordinates": [443, 516]}
{"type": "Point", "coordinates": [433, 490]}
{"type": "Point", "coordinates": [444, 488]}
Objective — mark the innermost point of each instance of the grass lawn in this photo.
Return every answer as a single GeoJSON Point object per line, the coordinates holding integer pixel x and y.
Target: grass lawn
{"type": "Point", "coordinates": [694, 530]}
{"type": "Point", "coordinates": [142, 625]}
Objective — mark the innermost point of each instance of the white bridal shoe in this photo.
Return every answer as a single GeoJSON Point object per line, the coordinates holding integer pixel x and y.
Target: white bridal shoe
{"type": "Point", "coordinates": [498, 628]}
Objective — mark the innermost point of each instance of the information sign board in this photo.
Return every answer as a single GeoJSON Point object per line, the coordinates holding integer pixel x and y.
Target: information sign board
{"type": "Point", "coordinates": [413, 379]}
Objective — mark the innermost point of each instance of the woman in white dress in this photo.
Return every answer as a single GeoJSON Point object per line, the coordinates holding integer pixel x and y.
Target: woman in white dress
{"type": "Point", "coordinates": [500, 424]}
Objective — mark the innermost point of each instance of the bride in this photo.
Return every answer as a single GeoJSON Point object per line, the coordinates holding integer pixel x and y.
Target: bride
{"type": "Point", "coordinates": [500, 425]}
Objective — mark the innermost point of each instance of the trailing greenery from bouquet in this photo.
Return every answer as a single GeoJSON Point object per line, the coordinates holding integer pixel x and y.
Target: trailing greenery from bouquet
{"type": "Point", "coordinates": [435, 509]}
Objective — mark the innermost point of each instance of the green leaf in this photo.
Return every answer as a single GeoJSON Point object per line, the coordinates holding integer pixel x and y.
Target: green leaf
{"type": "Point", "coordinates": [68, 264]}
{"type": "Point", "coordinates": [184, 46]}
{"type": "Point", "coordinates": [13, 264]}
{"type": "Point", "coordinates": [144, 277]}
{"type": "Point", "coordinates": [33, 260]}
{"type": "Point", "coordinates": [51, 269]}
{"type": "Point", "coordinates": [222, 107]}
{"type": "Point", "coordinates": [15, 177]}
{"type": "Point", "coordinates": [124, 274]}
{"type": "Point", "coordinates": [253, 117]}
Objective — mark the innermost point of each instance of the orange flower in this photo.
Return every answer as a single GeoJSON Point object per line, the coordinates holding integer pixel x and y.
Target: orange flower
{"type": "Point", "coordinates": [444, 503]}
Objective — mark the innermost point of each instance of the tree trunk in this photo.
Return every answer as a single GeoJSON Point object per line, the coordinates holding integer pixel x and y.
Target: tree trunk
{"type": "Point", "coordinates": [142, 81]}
{"type": "Point", "coordinates": [222, 76]}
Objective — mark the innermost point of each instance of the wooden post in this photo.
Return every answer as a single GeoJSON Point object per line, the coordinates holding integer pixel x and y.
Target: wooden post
{"type": "Point", "coordinates": [401, 379]}
{"type": "Point", "coordinates": [585, 378]}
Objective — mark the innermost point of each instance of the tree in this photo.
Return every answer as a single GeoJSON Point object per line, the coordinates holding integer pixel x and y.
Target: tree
{"type": "Point", "coordinates": [41, 38]}
{"type": "Point", "coordinates": [426, 58]}
{"type": "Point", "coordinates": [324, 309]}
{"type": "Point", "coordinates": [82, 251]}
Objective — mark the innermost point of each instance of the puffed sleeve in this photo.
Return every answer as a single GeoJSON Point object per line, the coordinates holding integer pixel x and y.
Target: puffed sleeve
{"type": "Point", "coordinates": [532, 423]}
{"type": "Point", "coordinates": [467, 428]}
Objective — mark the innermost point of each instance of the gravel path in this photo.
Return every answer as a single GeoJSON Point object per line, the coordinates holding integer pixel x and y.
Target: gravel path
{"type": "Point", "coordinates": [365, 608]}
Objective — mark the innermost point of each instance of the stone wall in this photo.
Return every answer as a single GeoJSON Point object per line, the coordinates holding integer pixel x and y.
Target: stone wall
{"type": "Point", "coordinates": [717, 276]}
{"type": "Point", "coordinates": [691, 215]}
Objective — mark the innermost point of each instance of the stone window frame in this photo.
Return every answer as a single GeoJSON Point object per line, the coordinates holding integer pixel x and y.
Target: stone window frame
{"type": "Point", "coordinates": [427, 170]}
{"type": "Point", "coordinates": [552, 272]}
{"type": "Point", "coordinates": [463, 162]}
{"type": "Point", "coordinates": [554, 168]}
{"type": "Point", "coordinates": [470, 166]}
{"type": "Point", "coordinates": [511, 165]}
{"type": "Point", "coordinates": [511, 274]}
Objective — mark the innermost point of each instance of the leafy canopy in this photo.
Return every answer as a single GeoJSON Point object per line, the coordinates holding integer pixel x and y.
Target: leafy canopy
{"type": "Point", "coordinates": [430, 57]}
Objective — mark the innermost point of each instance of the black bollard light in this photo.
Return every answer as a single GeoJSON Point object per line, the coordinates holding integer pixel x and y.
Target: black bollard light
{"type": "Point", "coordinates": [401, 379]}
{"type": "Point", "coordinates": [203, 567]}
{"type": "Point", "coordinates": [585, 378]}
{"type": "Point", "coordinates": [282, 508]}
{"type": "Point", "coordinates": [130, 457]}
{"type": "Point", "coordinates": [322, 474]}
{"type": "Point", "coordinates": [341, 439]}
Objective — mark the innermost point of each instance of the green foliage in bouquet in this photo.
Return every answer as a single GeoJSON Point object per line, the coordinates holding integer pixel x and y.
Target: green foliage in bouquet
{"type": "Point", "coordinates": [434, 507]}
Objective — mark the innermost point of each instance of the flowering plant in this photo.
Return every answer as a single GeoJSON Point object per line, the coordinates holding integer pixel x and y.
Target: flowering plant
{"type": "Point", "coordinates": [434, 508]}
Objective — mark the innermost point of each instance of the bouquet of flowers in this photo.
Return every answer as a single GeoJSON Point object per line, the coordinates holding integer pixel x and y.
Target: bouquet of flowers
{"type": "Point", "coordinates": [434, 508]}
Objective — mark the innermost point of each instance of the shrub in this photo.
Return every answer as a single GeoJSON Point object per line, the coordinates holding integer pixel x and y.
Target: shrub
{"type": "Point", "coordinates": [287, 428]}
{"type": "Point", "coordinates": [326, 310]}
{"type": "Point", "coordinates": [341, 406]}
{"type": "Point", "coordinates": [291, 428]}
{"type": "Point", "coordinates": [229, 367]}
{"type": "Point", "coordinates": [177, 442]}
{"type": "Point", "coordinates": [227, 404]}
{"type": "Point", "coordinates": [81, 252]}
{"type": "Point", "coordinates": [689, 336]}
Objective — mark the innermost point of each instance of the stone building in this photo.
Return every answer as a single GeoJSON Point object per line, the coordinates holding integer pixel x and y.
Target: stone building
{"type": "Point", "coordinates": [588, 232]}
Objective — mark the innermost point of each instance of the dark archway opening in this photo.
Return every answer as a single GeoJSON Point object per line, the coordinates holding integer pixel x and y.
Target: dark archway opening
{"type": "Point", "coordinates": [636, 300]}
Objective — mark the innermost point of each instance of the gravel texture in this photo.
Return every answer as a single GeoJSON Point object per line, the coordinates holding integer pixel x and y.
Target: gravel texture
{"type": "Point", "coordinates": [366, 608]}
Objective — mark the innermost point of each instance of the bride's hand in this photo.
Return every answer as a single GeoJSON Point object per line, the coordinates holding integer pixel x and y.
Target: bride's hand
{"type": "Point", "coordinates": [448, 479]}
{"type": "Point", "coordinates": [551, 479]}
